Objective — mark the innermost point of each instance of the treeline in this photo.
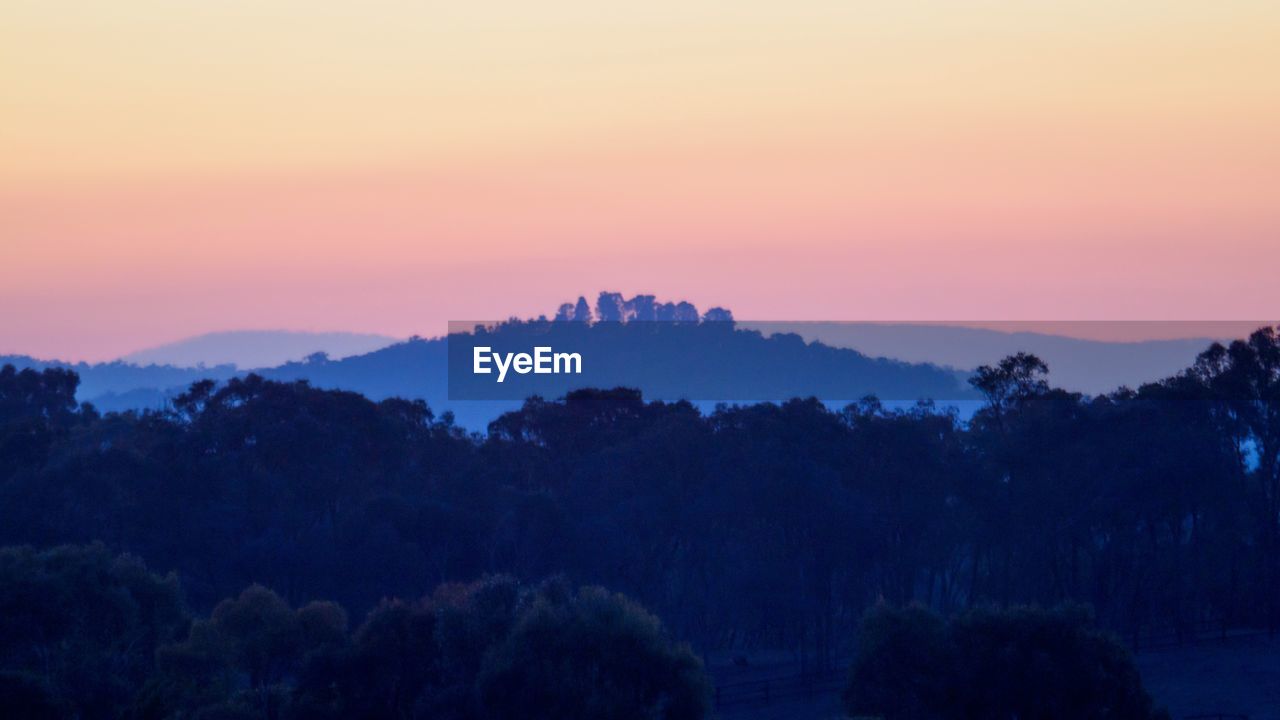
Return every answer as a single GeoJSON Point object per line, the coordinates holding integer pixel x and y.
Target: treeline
{"type": "Point", "coordinates": [762, 526]}
{"type": "Point", "coordinates": [87, 634]}
{"type": "Point", "coordinates": [612, 307]}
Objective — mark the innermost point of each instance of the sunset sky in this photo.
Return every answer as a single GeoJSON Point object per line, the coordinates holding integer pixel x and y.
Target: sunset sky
{"type": "Point", "coordinates": [173, 167]}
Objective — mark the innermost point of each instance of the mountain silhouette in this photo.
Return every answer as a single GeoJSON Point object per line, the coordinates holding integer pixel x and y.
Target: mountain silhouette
{"type": "Point", "coordinates": [667, 350]}
{"type": "Point", "coordinates": [707, 361]}
{"type": "Point", "coordinates": [257, 348]}
{"type": "Point", "coordinates": [119, 386]}
{"type": "Point", "coordinates": [1087, 366]}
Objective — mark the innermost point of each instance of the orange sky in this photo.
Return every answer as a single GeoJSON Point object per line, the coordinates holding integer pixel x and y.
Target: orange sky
{"type": "Point", "coordinates": [170, 168]}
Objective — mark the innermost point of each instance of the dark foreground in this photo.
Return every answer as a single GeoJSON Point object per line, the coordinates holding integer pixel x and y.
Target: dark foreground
{"type": "Point", "coordinates": [1235, 678]}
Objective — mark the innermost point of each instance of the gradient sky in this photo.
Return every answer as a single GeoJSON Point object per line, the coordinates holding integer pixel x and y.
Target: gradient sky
{"type": "Point", "coordinates": [172, 167]}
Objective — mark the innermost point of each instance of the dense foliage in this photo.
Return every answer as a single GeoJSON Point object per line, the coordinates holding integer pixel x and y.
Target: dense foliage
{"type": "Point", "coordinates": [79, 628]}
{"type": "Point", "coordinates": [999, 665]}
{"type": "Point", "coordinates": [88, 634]}
{"type": "Point", "coordinates": [491, 649]}
{"type": "Point", "coordinates": [760, 526]}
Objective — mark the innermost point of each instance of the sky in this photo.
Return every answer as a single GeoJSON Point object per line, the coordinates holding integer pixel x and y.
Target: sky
{"type": "Point", "coordinates": [174, 167]}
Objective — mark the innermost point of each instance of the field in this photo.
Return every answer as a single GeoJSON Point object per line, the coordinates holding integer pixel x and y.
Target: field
{"type": "Point", "coordinates": [1238, 676]}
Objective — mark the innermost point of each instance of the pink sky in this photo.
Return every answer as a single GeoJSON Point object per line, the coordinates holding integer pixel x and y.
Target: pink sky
{"type": "Point", "coordinates": [173, 169]}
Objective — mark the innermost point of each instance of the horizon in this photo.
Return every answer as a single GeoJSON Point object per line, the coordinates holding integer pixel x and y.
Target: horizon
{"type": "Point", "coordinates": [1098, 331]}
{"type": "Point", "coordinates": [181, 169]}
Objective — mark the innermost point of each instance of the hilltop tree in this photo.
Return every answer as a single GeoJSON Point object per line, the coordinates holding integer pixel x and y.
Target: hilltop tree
{"type": "Point", "coordinates": [582, 311]}
{"type": "Point", "coordinates": [609, 307]}
{"type": "Point", "coordinates": [717, 314]}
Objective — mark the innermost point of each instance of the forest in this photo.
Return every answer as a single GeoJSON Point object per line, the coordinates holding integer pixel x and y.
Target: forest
{"type": "Point", "coordinates": [251, 519]}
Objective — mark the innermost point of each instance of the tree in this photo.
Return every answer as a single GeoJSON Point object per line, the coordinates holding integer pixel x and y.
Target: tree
{"type": "Point", "coordinates": [238, 661]}
{"type": "Point", "coordinates": [911, 468]}
{"type": "Point", "coordinates": [391, 661]}
{"type": "Point", "coordinates": [643, 308]}
{"type": "Point", "coordinates": [48, 394]}
{"type": "Point", "coordinates": [37, 408]}
{"type": "Point", "coordinates": [495, 649]}
{"type": "Point", "coordinates": [590, 653]}
{"type": "Point", "coordinates": [1244, 380]}
{"type": "Point", "coordinates": [1000, 664]}
{"type": "Point", "coordinates": [1014, 379]}
{"type": "Point", "coordinates": [717, 314]}
{"type": "Point", "coordinates": [685, 312]}
{"type": "Point", "coordinates": [79, 627]}
{"type": "Point", "coordinates": [609, 307]}
{"type": "Point", "coordinates": [903, 665]}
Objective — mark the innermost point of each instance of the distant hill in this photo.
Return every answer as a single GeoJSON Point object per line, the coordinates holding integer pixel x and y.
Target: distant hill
{"type": "Point", "coordinates": [257, 348]}
{"type": "Point", "coordinates": [707, 361]}
{"type": "Point", "coordinates": [117, 386]}
{"type": "Point", "coordinates": [695, 360]}
{"type": "Point", "coordinates": [1088, 366]}
{"type": "Point", "coordinates": [667, 350]}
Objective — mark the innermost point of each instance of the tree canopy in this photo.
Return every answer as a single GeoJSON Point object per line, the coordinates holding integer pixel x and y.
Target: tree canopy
{"type": "Point", "coordinates": [998, 664]}
{"type": "Point", "coordinates": [766, 526]}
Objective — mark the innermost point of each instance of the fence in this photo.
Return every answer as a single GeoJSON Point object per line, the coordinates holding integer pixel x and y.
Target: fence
{"type": "Point", "coordinates": [1201, 632]}
{"type": "Point", "coordinates": [758, 693]}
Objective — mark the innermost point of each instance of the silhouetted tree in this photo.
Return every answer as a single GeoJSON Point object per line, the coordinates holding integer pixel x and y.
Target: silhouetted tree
{"type": "Point", "coordinates": [1015, 379]}
{"type": "Point", "coordinates": [609, 307]}
{"type": "Point", "coordinates": [905, 665]}
{"type": "Point", "coordinates": [492, 649]}
{"type": "Point", "coordinates": [685, 312]}
{"type": "Point", "coordinates": [79, 627]}
{"type": "Point", "coordinates": [1243, 380]}
{"type": "Point", "coordinates": [594, 654]}
{"type": "Point", "coordinates": [37, 409]}
{"type": "Point", "coordinates": [241, 657]}
{"type": "Point", "coordinates": [1009, 664]}
{"type": "Point", "coordinates": [765, 526]}
{"type": "Point", "coordinates": [717, 314]}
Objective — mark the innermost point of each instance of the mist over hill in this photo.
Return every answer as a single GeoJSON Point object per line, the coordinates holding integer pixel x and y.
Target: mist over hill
{"type": "Point", "coordinates": [699, 361]}
{"type": "Point", "coordinates": [686, 354]}
{"type": "Point", "coordinates": [119, 386]}
{"type": "Point", "coordinates": [666, 350]}
{"type": "Point", "coordinates": [1089, 366]}
{"type": "Point", "coordinates": [247, 349]}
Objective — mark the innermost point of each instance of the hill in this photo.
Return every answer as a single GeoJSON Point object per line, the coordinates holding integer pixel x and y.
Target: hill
{"type": "Point", "coordinates": [698, 361]}
{"type": "Point", "coordinates": [257, 348]}
{"type": "Point", "coordinates": [1089, 366]}
{"type": "Point", "coordinates": [667, 350]}
{"type": "Point", "coordinates": [118, 385]}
